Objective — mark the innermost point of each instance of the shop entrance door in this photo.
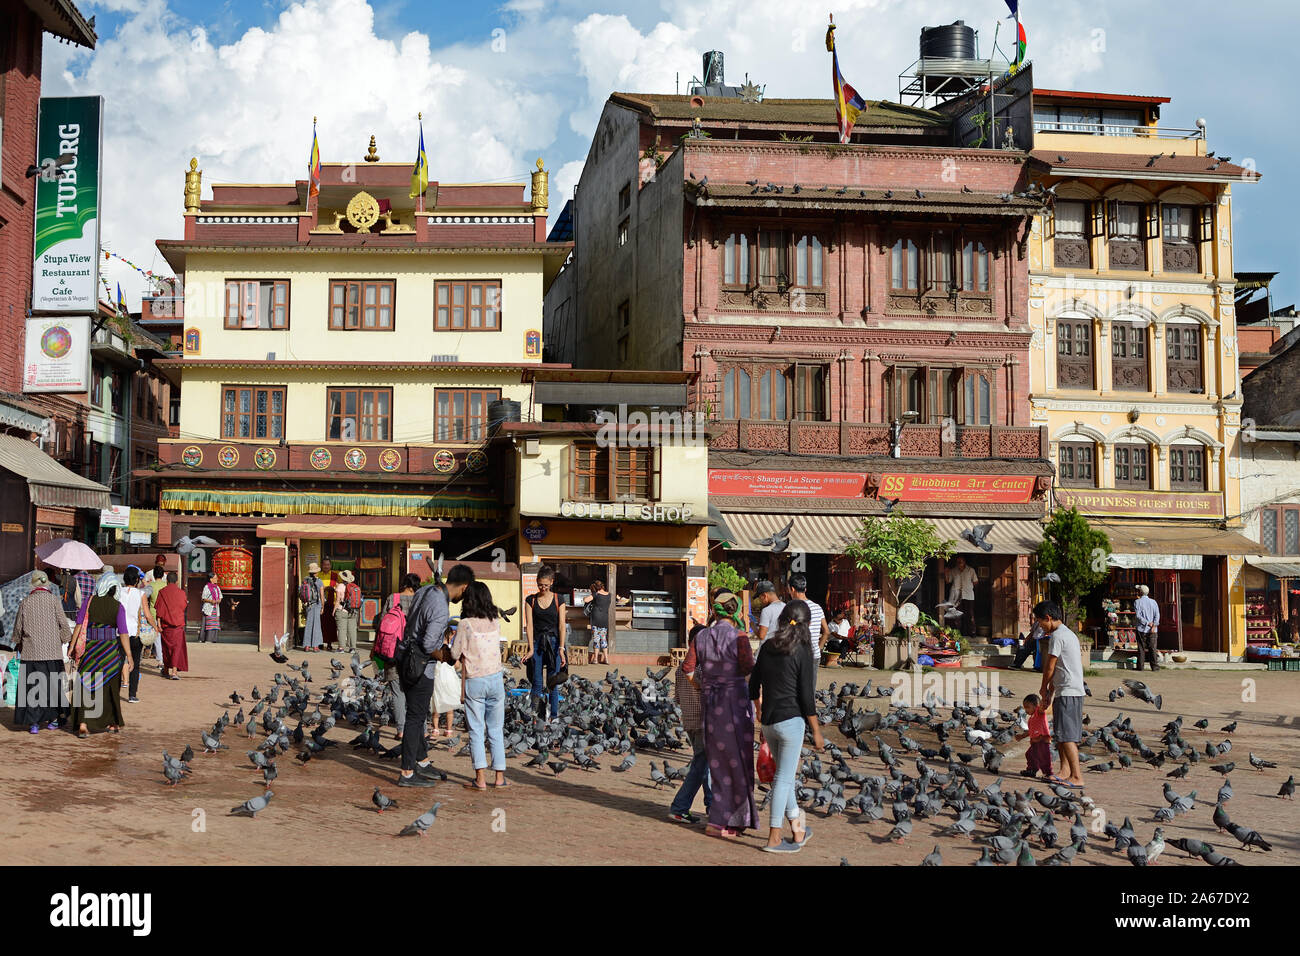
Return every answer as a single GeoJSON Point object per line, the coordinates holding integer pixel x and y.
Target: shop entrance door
{"type": "Point", "coordinates": [1166, 594]}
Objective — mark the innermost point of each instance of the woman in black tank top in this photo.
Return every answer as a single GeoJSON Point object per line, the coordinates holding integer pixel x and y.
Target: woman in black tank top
{"type": "Point", "coordinates": [545, 625]}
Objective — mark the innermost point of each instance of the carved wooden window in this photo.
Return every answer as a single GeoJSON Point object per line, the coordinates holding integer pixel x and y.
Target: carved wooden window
{"type": "Point", "coordinates": [249, 411]}
{"type": "Point", "coordinates": [1183, 357]}
{"type": "Point", "coordinates": [975, 266]}
{"type": "Point", "coordinates": [473, 306]}
{"type": "Point", "coordinates": [1179, 239]}
{"type": "Point", "coordinates": [772, 269]}
{"type": "Point", "coordinates": [1071, 248]}
{"type": "Point", "coordinates": [940, 272]}
{"type": "Point", "coordinates": [808, 396]}
{"type": "Point", "coordinates": [1186, 468]}
{"type": "Point", "coordinates": [257, 304]}
{"type": "Point", "coordinates": [1076, 464]}
{"type": "Point", "coordinates": [735, 259]}
{"type": "Point", "coordinates": [1279, 531]}
{"type": "Point", "coordinates": [977, 399]}
{"type": "Point", "coordinates": [905, 266]}
{"type": "Point", "coordinates": [365, 305]}
{"type": "Point", "coordinates": [933, 393]}
{"type": "Point", "coordinates": [1074, 353]}
{"type": "Point", "coordinates": [808, 262]}
{"type": "Point", "coordinates": [1132, 466]}
{"type": "Point", "coordinates": [1125, 234]}
{"type": "Point", "coordinates": [1128, 350]}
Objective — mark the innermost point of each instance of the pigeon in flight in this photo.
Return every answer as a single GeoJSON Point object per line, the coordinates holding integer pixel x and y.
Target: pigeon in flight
{"type": "Point", "coordinates": [778, 541]}
{"type": "Point", "coordinates": [978, 536]}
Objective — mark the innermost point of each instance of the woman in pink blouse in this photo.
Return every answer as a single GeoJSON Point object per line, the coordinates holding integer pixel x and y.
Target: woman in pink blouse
{"type": "Point", "coordinates": [477, 647]}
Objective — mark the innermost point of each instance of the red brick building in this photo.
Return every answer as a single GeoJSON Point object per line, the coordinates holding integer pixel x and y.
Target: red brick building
{"type": "Point", "coordinates": [856, 315]}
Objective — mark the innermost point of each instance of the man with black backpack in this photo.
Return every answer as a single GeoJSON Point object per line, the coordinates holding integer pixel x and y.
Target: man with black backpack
{"type": "Point", "coordinates": [424, 643]}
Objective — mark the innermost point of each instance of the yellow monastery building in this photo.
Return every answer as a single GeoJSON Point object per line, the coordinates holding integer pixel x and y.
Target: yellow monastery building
{"type": "Point", "coordinates": [345, 352]}
{"type": "Point", "coordinates": [1134, 359]}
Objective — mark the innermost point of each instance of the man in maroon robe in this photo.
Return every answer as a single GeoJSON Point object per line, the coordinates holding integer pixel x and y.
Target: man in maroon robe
{"type": "Point", "coordinates": [170, 610]}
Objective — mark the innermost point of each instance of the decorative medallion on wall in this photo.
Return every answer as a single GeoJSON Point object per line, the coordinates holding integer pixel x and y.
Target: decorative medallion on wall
{"type": "Point", "coordinates": [264, 458]}
{"type": "Point", "coordinates": [476, 460]}
{"type": "Point", "coordinates": [320, 458]}
{"type": "Point", "coordinates": [390, 459]}
{"type": "Point", "coordinates": [444, 462]}
{"type": "Point", "coordinates": [193, 342]}
{"type": "Point", "coordinates": [355, 459]}
{"type": "Point", "coordinates": [363, 211]}
{"type": "Point", "coordinates": [532, 344]}
{"type": "Point", "coordinates": [228, 456]}
{"type": "Point", "coordinates": [192, 456]}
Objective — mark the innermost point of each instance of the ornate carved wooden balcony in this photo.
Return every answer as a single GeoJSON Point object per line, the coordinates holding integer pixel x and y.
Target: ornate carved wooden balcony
{"type": "Point", "coordinates": [872, 439]}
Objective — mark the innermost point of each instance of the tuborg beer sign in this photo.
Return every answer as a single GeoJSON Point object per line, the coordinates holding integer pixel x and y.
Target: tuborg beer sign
{"type": "Point", "coordinates": [65, 269]}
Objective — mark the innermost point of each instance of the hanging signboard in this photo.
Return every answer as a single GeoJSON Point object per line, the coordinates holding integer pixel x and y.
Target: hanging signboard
{"type": "Point", "coordinates": [116, 516]}
{"type": "Point", "coordinates": [65, 269]}
{"type": "Point", "coordinates": [957, 488]}
{"type": "Point", "coordinates": [787, 484]}
{"type": "Point", "coordinates": [56, 354]}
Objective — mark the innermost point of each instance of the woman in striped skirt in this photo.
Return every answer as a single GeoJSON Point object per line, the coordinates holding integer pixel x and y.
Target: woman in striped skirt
{"type": "Point", "coordinates": [211, 609]}
{"type": "Point", "coordinates": [103, 663]}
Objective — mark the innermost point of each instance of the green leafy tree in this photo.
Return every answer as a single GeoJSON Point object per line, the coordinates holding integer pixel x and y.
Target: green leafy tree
{"type": "Point", "coordinates": [898, 546]}
{"type": "Point", "coordinates": [723, 575]}
{"type": "Point", "coordinates": [1076, 553]}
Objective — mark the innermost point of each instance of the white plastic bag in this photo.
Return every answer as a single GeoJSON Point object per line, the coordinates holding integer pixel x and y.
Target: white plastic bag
{"type": "Point", "coordinates": [446, 688]}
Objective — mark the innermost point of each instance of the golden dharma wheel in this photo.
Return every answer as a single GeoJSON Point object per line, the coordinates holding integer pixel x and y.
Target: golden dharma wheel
{"type": "Point", "coordinates": [363, 211]}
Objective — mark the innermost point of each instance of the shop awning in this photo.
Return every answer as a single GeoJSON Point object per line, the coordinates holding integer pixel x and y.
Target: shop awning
{"type": "Point", "coordinates": [437, 505]}
{"type": "Point", "coordinates": [828, 534]}
{"type": "Point", "coordinates": [1171, 545]}
{"type": "Point", "coordinates": [348, 528]}
{"type": "Point", "coordinates": [49, 484]}
{"type": "Point", "coordinates": [1279, 569]}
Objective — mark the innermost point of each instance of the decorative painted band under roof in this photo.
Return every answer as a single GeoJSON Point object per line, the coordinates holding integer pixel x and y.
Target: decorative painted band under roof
{"type": "Point", "coordinates": [481, 220]}
{"type": "Point", "coordinates": [246, 220]}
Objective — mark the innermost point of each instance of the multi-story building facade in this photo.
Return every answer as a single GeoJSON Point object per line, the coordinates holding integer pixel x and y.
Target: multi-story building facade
{"type": "Point", "coordinates": [342, 354]}
{"type": "Point", "coordinates": [854, 316]}
{"type": "Point", "coordinates": [1133, 365]}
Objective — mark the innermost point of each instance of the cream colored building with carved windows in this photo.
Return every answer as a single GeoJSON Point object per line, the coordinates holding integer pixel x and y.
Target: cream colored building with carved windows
{"type": "Point", "coordinates": [1133, 357]}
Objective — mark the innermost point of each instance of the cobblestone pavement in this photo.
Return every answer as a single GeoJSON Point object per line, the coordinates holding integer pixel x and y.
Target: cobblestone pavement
{"type": "Point", "coordinates": [104, 800]}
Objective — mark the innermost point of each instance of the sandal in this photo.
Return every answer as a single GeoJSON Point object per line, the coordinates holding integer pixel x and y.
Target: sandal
{"type": "Point", "coordinates": [473, 786]}
{"type": "Point", "coordinates": [721, 833]}
{"type": "Point", "coordinates": [83, 734]}
{"type": "Point", "coordinates": [501, 785]}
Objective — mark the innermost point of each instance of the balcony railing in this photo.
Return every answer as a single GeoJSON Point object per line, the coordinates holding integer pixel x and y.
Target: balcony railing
{"type": "Point", "coordinates": [873, 439]}
{"type": "Point", "coordinates": [162, 307]}
{"type": "Point", "coordinates": [1112, 129]}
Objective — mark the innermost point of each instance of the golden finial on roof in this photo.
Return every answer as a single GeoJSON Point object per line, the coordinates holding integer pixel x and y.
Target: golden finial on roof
{"type": "Point", "coordinates": [193, 186]}
{"type": "Point", "coordinates": [372, 156]}
{"type": "Point", "coordinates": [541, 189]}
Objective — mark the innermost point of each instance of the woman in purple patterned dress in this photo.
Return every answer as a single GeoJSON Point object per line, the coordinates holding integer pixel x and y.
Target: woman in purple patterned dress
{"type": "Point", "coordinates": [723, 661]}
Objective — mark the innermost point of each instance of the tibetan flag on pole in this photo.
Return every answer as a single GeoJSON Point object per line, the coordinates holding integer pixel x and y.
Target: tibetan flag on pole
{"type": "Point", "coordinates": [420, 174]}
{"type": "Point", "coordinates": [848, 104]}
{"type": "Point", "coordinates": [121, 301]}
{"type": "Point", "coordinates": [1021, 43]}
{"type": "Point", "coordinates": [313, 164]}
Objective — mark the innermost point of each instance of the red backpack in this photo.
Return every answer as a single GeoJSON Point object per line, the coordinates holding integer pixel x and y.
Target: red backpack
{"type": "Point", "coordinates": [352, 597]}
{"type": "Point", "coordinates": [391, 628]}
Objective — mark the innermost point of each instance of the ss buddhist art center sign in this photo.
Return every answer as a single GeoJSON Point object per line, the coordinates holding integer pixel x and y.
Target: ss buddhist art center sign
{"type": "Point", "coordinates": [1187, 504]}
{"type": "Point", "coordinates": [957, 488]}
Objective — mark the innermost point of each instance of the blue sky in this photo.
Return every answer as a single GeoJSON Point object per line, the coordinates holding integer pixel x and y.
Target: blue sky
{"type": "Point", "coordinates": [236, 83]}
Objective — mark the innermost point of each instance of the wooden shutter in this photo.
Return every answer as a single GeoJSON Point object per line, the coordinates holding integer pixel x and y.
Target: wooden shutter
{"type": "Point", "coordinates": [251, 304]}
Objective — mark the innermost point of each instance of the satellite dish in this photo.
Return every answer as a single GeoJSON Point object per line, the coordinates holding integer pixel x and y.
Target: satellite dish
{"type": "Point", "coordinates": [908, 614]}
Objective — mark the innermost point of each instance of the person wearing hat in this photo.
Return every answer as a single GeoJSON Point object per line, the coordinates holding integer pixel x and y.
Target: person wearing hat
{"type": "Point", "coordinates": [347, 609]}
{"type": "Point", "coordinates": [311, 594]}
{"type": "Point", "coordinates": [41, 630]}
{"type": "Point", "coordinates": [770, 608]}
{"type": "Point", "coordinates": [1146, 614]}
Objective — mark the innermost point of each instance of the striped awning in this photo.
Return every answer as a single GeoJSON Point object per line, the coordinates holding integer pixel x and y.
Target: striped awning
{"type": "Point", "coordinates": [828, 534]}
{"type": "Point", "coordinates": [49, 484]}
{"type": "Point", "coordinates": [267, 502]}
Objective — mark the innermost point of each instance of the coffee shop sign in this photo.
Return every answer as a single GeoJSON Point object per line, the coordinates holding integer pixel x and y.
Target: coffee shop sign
{"type": "Point", "coordinates": [625, 511]}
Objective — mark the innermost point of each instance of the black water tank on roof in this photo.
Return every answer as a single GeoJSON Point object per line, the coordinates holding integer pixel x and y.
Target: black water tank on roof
{"type": "Point", "coordinates": [502, 410]}
{"type": "Point", "coordinates": [955, 41]}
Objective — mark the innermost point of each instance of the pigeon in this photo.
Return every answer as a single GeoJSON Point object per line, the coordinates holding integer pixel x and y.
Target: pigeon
{"type": "Point", "coordinates": [250, 808]}
{"type": "Point", "coordinates": [1223, 768]}
{"type": "Point", "coordinates": [978, 536]}
{"type": "Point", "coordinates": [1025, 858]}
{"type": "Point", "coordinates": [1225, 792]}
{"type": "Point", "coordinates": [1156, 846]}
{"type": "Point", "coordinates": [1213, 857]}
{"type": "Point", "coordinates": [1259, 763]}
{"type": "Point", "coordinates": [933, 858]}
{"type": "Point", "coordinates": [985, 859]}
{"type": "Point", "coordinates": [172, 773]}
{"type": "Point", "coordinates": [628, 762]}
{"type": "Point", "coordinates": [657, 776]}
{"type": "Point", "coordinates": [778, 541]}
{"type": "Point", "coordinates": [901, 830]}
{"type": "Point", "coordinates": [1137, 854]}
{"type": "Point", "coordinates": [557, 766]}
{"type": "Point", "coordinates": [382, 802]}
{"type": "Point", "coordinates": [212, 744]}
{"type": "Point", "coordinates": [1229, 728]}
{"type": "Point", "coordinates": [1220, 818]}
{"type": "Point", "coordinates": [1288, 789]}
{"type": "Point", "coordinates": [1202, 724]}
{"type": "Point", "coordinates": [421, 823]}
{"type": "Point", "coordinates": [1248, 837]}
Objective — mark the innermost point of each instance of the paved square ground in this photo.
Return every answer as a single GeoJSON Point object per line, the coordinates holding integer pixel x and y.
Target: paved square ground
{"type": "Point", "coordinates": [105, 801]}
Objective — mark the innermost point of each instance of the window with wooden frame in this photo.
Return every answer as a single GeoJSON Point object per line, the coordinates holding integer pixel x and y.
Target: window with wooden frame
{"type": "Point", "coordinates": [1187, 468]}
{"type": "Point", "coordinates": [96, 386]}
{"type": "Point", "coordinates": [1179, 238]}
{"type": "Point", "coordinates": [1279, 530]}
{"type": "Point", "coordinates": [117, 394]}
{"type": "Point", "coordinates": [472, 305]}
{"type": "Point", "coordinates": [904, 266]}
{"type": "Point", "coordinates": [806, 248]}
{"type": "Point", "coordinates": [1183, 357]}
{"type": "Point", "coordinates": [934, 393]}
{"type": "Point", "coordinates": [1076, 464]}
{"type": "Point", "coordinates": [772, 267]}
{"type": "Point", "coordinates": [625, 198]}
{"type": "Point", "coordinates": [975, 259]}
{"type": "Point", "coordinates": [613, 473]}
{"type": "Point", "coordinates": [1126, 235]}
{"type": "Point", "coordinates": [776, 392]}
{"type": "Point", "coordinates": [1074, 368]}
{"type": "Point", "coordinates": [735, 259]}
{"type": "Point", "coordinates": [95, 460]}
{"type": "Point", "coordinates": [1071, 235]}
{"type": "Point", "coordinates": [257, 303]}
{"type": "Point", "coordinates": [1132, 466]}
{"type": "Point", "coordinates": [1128, 357]}
{"type": "Point", "coordinates": [461, 414]}
{"type": "Point", "coordinates": [941, 262]}
{"type": "Point", "coordinates": [252, 411]}
{"type": "Point", "coordinates": [359, 414]}
{"type": "Point", "coordinates": [364, 305]}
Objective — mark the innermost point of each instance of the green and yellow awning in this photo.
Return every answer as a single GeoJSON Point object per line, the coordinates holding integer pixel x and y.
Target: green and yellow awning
{"type": "Point", "coordinates": [219, 501]}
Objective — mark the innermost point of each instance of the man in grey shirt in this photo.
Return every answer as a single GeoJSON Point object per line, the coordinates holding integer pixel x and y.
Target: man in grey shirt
{"type": "Point", "coordinates": [770, 608]}
{"type": "Point", "coordinates": [1062, 688]}
{"type": "Point", "coordinates": [1147, 615]}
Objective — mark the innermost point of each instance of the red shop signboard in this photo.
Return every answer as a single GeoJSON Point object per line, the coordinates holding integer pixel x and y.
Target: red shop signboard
{"type": "Point", "coordinates": [957, 488]}
{"type": "Point", "coordinates": [787, 484]}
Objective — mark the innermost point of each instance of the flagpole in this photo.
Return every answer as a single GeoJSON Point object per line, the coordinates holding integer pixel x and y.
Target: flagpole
{"type": "Point", "coordinates": [420, 118]}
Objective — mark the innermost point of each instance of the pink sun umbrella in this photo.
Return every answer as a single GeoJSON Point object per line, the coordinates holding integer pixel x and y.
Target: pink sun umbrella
{"type": "Point", "coordinates": [69, 555]}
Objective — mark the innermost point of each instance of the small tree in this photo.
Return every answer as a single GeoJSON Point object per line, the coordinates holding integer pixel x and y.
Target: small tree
{"type": "Point", "coordinates": [1076, 553]}
{"type": "Point", "coordinates": [723, 575]}
{"type": "Point", "coordinates": [898, 546]}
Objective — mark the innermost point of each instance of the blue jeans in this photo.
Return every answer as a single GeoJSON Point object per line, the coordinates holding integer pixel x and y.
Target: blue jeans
{"type": "Point", "coordinates": [485, 711]}
{"type": "Point", "coordinates": [537, 664]}
{"type": "Point", "coordinates": [697, 775]}
{"type": "Point", "coordinates": [786, 740]}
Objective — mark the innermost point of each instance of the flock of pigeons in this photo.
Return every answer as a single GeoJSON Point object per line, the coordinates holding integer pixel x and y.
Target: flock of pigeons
{"type": "Point", "coordinates": [610, 721]}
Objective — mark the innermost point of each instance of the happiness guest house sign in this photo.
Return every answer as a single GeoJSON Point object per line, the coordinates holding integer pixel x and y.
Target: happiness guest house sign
{"type": "Point", "coordinates": [65, 269]}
